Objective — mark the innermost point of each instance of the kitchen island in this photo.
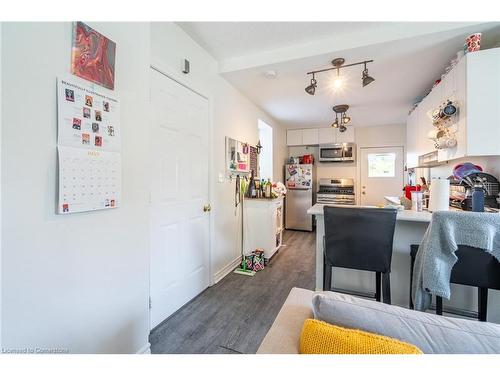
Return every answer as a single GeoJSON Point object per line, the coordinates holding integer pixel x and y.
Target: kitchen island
{"type": "Point", "coordinates": [410, 229]}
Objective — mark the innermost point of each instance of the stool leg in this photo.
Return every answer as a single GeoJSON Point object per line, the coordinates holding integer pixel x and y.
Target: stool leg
{"type": "Point", "coordinates": [378, 286]}
{"type": "Point", "coordinates": [327, 275]}
{"type": "Point", "coordinates": [412, 264]}
{"type": "Point", "coordinates": [386, 287]}
{"type": "Point", "coordinates": [482, 303]}
{"type": "Point", "coordinates": [439, 305]}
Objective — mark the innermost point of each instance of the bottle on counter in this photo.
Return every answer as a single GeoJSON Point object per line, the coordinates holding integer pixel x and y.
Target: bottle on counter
{"type": "Point", "coordinates": [269, 188]}
{"type": "Point", "coordinates": [251, 191]}
{"type": "Point", "coordinates": [478, 198]}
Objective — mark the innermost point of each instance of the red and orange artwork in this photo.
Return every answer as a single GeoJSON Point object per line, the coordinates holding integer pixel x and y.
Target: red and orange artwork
{"type": "Point", "coordinates": [93, 56]}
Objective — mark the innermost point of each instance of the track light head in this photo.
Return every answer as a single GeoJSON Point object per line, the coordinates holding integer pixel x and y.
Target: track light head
{"type": "Point", "coordinates": [346, 120]}
{"type": "Point", "coordinates": [366, 78]}
{"type": "Point", "coordinates": [311, 89]}
{"type": "Point", "coordinates": [342, 128]}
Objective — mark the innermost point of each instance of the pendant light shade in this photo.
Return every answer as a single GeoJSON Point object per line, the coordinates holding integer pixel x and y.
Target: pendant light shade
{"type": "Point", "coordinates": [367, 79]}
{"type": "Point", "coordinates": [311, 89]}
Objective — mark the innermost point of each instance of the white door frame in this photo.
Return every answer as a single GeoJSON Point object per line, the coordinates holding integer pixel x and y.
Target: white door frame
{"type": "Point", "coordinates": [181, 80]}
{"type": "Point", "coordinates": [358, 167]}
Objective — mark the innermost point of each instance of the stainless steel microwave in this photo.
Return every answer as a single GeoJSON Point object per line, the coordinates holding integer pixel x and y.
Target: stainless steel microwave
{"type": "Point", "coordinates": [338, 152]}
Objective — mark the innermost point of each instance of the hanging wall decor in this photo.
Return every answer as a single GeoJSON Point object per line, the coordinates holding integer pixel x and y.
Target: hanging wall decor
{"type": "Point", "coordinates": [93, 56]}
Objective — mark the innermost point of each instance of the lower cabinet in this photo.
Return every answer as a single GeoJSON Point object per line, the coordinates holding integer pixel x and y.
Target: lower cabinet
{"type": "Point", "coordinates": [262, 225]}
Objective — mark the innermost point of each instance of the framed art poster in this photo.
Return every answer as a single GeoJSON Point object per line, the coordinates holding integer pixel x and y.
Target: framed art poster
{"type": "Point", "coordinates": [89, 147]}
{"type": "Point", "coordinates": [93, 56]}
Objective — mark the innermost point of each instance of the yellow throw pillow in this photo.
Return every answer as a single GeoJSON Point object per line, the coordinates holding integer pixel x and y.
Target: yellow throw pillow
{"type": "Point", "coordinates": [319, 337]}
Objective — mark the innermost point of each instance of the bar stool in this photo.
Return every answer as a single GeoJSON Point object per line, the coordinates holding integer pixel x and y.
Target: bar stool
{"type": "Point", "coordinates": [474, 267]}
{"type": "Point", "coordinates": [361, 239]}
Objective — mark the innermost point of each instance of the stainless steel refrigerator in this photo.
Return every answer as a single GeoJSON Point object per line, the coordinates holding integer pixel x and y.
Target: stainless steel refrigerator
{"type": "Point", "coordinates": [300, 184]}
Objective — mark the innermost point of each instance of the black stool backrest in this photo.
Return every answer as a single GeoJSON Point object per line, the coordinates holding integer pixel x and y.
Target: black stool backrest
{"type": "Point", "coordinates": [359, 238]}
{"type": "Point", "coordinates": [476, 267]}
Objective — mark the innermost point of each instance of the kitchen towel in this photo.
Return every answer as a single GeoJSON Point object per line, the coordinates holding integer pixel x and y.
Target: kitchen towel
{"type": "Point", "coordinates": [439, 195]}
{"type": "Point", "coordinates": [436, 254]}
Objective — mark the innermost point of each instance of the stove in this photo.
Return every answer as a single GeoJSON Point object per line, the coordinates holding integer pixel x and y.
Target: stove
{"type": "Point", "coordinates": [336, 191]}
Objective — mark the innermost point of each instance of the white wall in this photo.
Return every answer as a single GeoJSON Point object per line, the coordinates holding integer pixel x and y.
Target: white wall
{"type": "Point", "coordinates": [77, 282]}
{"type": "Point", "coordinates": [233, 115]}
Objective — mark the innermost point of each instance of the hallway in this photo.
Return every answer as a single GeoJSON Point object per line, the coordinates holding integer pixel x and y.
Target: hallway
{"type": "Point", "coordinates": [234, 315]}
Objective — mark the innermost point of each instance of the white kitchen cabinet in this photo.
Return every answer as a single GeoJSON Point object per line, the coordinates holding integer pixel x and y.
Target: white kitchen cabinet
{"type": "Point", "coordinates": [262, 225]}
{"type": "Point", "coordinates": [318, 136]}
{"type": "Point", "coordinates": [326, 135]}
{"type": "Point", "coordinates": [411, 139]}
{"type": "Point", "coordinates": [294, 137]}
{"type": "Point", "coordinates": [310, 137]}
{"type": "Point", "coordinates": [474, 84]}
{"type": "Point", "coordinates": [425, 109]}
{"type": "Point", "coordinates": [345, 137]}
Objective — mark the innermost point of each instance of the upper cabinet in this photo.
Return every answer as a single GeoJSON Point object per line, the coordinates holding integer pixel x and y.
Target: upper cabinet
{"type": "Point", "coordinates": [318, 136]}
{"type": "Point", "coordinates": [294, 137]}
{"type": "Point", "coordinates": [474, 84]}
{"type": "Point", "coordinates": [345, 137]}
{"type": "Point", "coordinates": [412, 137]}
{"type": "Point", "coordinates": [310, 137]}
{"type": "Point", "coordinates": [326, 135]}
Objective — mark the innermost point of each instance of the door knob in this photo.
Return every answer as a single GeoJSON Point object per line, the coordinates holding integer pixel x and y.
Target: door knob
{"type": "Point", "coordinates": [363, 192]}
{"type": "Point", "coordinates": [207, 208]}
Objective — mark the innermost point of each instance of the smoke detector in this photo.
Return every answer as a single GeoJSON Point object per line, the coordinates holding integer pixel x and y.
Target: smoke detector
{"type": "Point", "coordinates": [270, 74]}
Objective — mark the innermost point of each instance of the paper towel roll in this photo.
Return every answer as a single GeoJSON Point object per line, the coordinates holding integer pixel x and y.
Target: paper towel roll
{"type": "Point", "coordinates": [439, 199]}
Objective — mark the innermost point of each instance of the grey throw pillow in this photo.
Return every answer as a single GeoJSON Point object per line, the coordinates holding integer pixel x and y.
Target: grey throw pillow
{"type": "Point", "coordinates": [431, 333]}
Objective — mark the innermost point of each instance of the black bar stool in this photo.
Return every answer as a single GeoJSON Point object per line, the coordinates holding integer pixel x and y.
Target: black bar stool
{"type": "Point", "coordinates": [361, 239]}
{"type": "Point", "coordinates": [474, 267]}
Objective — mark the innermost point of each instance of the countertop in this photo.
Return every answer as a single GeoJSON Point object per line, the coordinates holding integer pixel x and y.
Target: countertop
{"type": "Point", "coordinates": [405, 215]}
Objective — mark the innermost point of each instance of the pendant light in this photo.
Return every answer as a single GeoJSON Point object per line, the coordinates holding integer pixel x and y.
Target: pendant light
{"type": "Point", "coordinates": [366, 78]}
{"type": "Point", "coordinates": [344, 119]}
{"type": "Point", "coordinates": [311, 89]}
{"type": "Point", "coordinates": [338, 63]}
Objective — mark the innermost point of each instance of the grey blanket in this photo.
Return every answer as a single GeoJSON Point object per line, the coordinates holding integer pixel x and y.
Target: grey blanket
{"type": "Point", "coordinates": [435, 257]}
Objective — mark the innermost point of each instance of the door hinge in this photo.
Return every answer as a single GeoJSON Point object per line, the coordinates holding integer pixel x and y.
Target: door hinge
{"type": "Point", "coordinates": [150, 303]}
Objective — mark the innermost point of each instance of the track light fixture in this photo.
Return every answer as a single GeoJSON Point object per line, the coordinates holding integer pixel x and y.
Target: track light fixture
{"type": "Point", "coordinates": [338, 64]}
{"type": "Point", "coordinates": [311, 89]}
{"type": "Point", "coordinates": [366, 78]}
{"type": "Point", "coordinates": [341, 110]}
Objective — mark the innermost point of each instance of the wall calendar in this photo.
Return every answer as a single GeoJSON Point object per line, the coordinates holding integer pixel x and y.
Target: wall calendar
{"type": "Point", "coordinates": [89, 147]}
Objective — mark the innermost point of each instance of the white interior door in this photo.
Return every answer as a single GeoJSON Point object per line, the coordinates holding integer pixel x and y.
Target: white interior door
{"type": "Point", "coordinates": [179, 225]}
{"type": "Point", "coordinates": [381, 174]}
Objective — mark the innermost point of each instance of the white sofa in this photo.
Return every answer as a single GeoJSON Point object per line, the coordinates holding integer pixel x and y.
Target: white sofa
{"type": "Point", "coordinates": [431, 333]}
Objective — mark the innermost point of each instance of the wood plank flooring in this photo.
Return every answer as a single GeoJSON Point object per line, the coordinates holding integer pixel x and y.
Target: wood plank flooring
{"type": "Point", "coordinates": [234, 315]}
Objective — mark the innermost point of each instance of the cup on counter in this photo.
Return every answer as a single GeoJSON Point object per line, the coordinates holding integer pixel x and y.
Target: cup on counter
{"type": "Point", "coordinates": [417, 200]}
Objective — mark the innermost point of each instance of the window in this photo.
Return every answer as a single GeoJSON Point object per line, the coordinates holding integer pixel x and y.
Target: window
{"type": "Point", "coordinates": [266, 153]}
{"type": "Point", "coordinates": [382, 165]}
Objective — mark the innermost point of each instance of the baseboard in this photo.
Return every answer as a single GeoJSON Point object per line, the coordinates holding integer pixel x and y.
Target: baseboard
{"type": "Point", "coordinates": [146, 349]}
{"type": "Point", "coordinates": [219, 275]}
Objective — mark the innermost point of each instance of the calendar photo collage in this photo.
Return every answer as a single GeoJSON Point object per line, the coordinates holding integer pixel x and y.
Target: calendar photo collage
{"type": "Point", "coordinates": [89, 119]}
{"type": "Point", "coordinates": [89, 148]}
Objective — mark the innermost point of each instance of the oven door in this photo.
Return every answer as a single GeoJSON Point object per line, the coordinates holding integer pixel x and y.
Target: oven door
{"type": "Point", "coordinates": [331, 153]}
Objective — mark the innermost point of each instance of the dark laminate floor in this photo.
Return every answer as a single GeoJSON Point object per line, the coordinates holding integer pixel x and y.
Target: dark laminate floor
{"type": "Point", "coordinates": [234, 315]}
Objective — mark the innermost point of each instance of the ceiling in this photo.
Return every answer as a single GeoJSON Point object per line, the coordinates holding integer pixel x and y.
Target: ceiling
{"type": "Point", "coordinates": [408, 57]}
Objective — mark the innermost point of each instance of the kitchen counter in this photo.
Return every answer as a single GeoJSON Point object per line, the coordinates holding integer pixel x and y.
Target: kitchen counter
{"type": "Point", "coordinates": [410, 229]}
{"type": "Point", "coordinates": [404, 215]}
